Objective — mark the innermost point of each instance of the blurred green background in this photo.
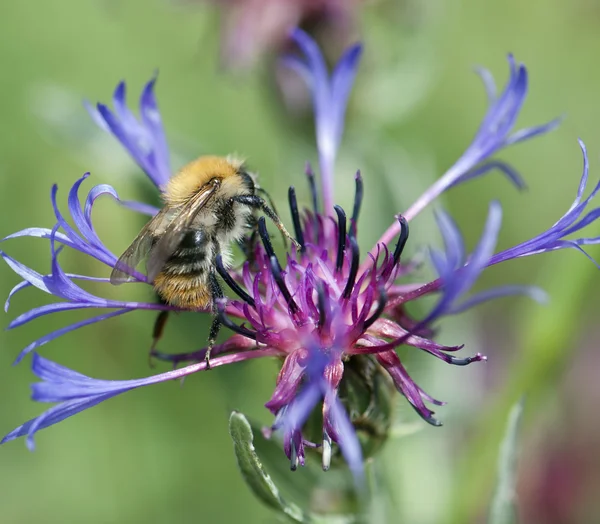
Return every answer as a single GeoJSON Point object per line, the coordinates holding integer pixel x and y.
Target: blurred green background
{"type": "Point", "coordinates": [163, 454]}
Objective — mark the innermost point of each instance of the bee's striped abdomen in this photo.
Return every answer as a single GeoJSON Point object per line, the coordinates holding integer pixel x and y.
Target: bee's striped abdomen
{"type": "Point", "coordinates": [183, 281]}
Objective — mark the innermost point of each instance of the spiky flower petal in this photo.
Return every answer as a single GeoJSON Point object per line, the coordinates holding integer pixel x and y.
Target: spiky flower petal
{"type": "Point", "coordinates": [332, 318]}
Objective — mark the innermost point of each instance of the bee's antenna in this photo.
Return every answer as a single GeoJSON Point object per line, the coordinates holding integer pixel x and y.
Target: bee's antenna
{"type": "Point", "coordinates": [259, 203]}
{"type": "Point", "coordinates": [272, 204]}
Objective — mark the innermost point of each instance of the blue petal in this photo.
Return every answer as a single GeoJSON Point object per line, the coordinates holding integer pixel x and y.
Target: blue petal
{"type": "Point", "coordinates": [330, 98]}
{"type": "Point", "coordinates": [530, 132]}
{"type": "Point", "coordinates": [484, 249]}
{"type": "Point", "coordinates": [301, 407]}
{"type": "Point", "coordinates": [40, 232]}
{"type": "Point", "coordinates": [457, 278]}
{"type": "Point", "coordinates": [535, 293]}
{"type": "Point", "coordinates": [145, 139]}
{"type": "Point", "coordinates": [485, 168]}
{"type": "Point", "coordinates": [59, 332]}
{"type": "Point", "coordinates": [29, 275]}
{"type": "Point", "coordinates": [453, 242]}
{"type": "Point", "coordinates": [488, 83]}
{"type": "Point", "coordinates": [76, 392]}
{"type": "Point", "coordinates": [25, 284]}
{"type": "Point", "coordinates": [342, 80]}
{"type": "Point", "coordinates": [493, 135]}
{"type": "Point", "coordinates": [47, 309]}
{"type": "Point", "coordinates": [571, 222]}
{"type": "Point", "coordinates": [140, 207]}
{"type": "Point", "coordinates": [347, 440]}
{"type": "Point", "coordinates": [152, 120]}
{"type": "Point", "coordinates": [50, 417]}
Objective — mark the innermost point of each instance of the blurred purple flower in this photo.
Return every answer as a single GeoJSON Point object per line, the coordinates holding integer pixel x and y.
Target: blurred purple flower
{"type": "Point", "coordinates": [321, 309]}
{"type": "Point", "coordinates": [253, 27]}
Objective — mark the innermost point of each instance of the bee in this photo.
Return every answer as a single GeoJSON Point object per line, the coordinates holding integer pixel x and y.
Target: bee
{"type": "Point", "coordinates": [209, 204]}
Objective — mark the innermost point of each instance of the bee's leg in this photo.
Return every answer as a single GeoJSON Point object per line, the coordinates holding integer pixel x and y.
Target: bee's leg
{"type": "Point", "coordinates": [216, 293]}
{"type": "Point", "coordinates": [159, 327]}
{"type": "Point", "coordinates": [257, 202]}
{"type": "Point", "coordinates": [157, 330]}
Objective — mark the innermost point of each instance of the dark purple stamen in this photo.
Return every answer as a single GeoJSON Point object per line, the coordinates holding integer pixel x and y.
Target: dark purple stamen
{"type": "Point", "coordinates": [323, 304]}
{"type": "Point", "coordinates": [464, 361]}
{"type": "Point", "coordinates": [358, 196]}
{"type": "Point", "coordinates": [353, 267]}
{"type": "Point", "coordinates": [296, 218]}
{"type": "Point", "coordinates": [264, 236]}
{"type": "Point", "coordinates": [293, 456]}
{"type": "Point", "coordinates": [430, 419]}
{"type": "Point", "coordinates": [313, 187]}
{"type": "Point", "coordinates": [232, 283]}
{"type": "Point", "coordinates": [380, 307]}
{"type": "Point", "coordinates": [228, 323]}
{"type": "Point", "coordinates": [401, 239]}
{"type": "Point", "coordinates": [279, 280]}
{"type": "Point", "coordinates": [341, 215]}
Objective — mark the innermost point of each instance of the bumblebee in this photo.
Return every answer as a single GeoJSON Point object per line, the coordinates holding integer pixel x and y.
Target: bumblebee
{"type": "Point", "coordinates": [209, 204]}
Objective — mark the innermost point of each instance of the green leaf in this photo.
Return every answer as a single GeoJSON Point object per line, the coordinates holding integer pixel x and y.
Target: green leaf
{"type": "Point", "coordinates": [503, 508]}
{"type": "Point", "coordinates": [253, 471]}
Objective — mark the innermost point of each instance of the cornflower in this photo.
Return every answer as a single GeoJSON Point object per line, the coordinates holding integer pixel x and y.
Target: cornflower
{"type": "Point", "coordinates": [333, 319]}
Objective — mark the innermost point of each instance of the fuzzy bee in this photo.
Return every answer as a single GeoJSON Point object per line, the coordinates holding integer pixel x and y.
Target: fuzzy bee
{"type": "Point", "coordinates": [208, 204]}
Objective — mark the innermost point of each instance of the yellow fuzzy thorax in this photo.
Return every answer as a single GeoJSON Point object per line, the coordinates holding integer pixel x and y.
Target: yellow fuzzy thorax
{"type": "Point", "coordinates": [196, 174]}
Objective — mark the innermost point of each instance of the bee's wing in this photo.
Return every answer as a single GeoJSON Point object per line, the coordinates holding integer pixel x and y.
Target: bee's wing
{"type": "Point", "coordinates": [176, 230]}
{"type": "Point", "coordinates": [139, 248]}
